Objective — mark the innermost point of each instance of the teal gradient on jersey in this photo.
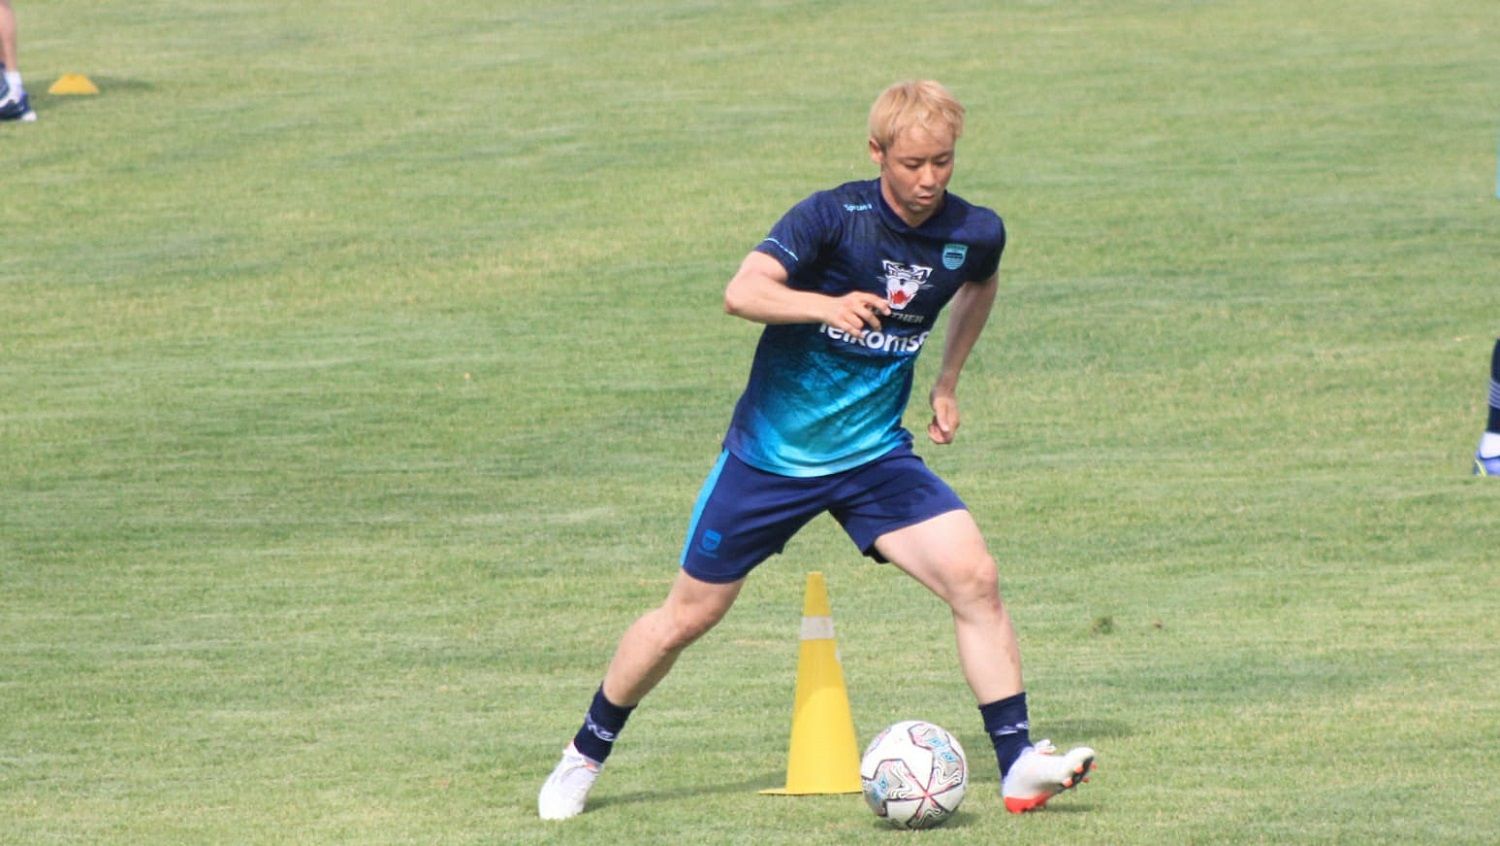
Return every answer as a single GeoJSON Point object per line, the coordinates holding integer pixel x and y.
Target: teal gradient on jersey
{"type": "Point", "coordinates": [820, 400]}
{"type": "Point", "coordinates": [811, 409]}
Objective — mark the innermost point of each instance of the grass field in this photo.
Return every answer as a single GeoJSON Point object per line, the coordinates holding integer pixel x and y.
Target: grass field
{"type": "Point", "coordinates": [360, 362]}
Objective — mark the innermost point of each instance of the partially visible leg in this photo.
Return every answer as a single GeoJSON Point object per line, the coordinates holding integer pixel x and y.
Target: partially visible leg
{"type": "Point", "coordinates": [947, 554]}
{"type": "Point", "coordinates": [14, 104]}
{"type": "Point", "coordinates": [8, 37]}
{"type": "Point", "coordinates": [1487, 457]}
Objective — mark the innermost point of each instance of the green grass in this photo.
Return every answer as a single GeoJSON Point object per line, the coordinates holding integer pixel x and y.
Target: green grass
{"type": "Point", "coordinates": [360, 363]}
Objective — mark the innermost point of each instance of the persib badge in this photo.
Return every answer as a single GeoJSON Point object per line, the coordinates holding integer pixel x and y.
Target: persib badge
{"type": "Point", "coordinates": [709, 543]}
{"type": "Point", "coordinates": [954, 255]}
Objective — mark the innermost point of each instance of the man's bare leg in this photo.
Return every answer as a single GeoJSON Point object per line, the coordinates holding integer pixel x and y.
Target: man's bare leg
{"type": "Point", "coordinates": [644, 656]}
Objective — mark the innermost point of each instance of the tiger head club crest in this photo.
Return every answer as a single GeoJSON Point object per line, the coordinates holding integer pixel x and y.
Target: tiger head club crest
{"type": "Point", "coordinates": [903, 281]}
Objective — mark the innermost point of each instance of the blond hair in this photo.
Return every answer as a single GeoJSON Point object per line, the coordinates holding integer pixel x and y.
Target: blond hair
{"type": "Point", "coordinates": [913, 104]}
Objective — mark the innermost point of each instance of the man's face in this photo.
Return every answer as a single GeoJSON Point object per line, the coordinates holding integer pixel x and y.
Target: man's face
{"type": "Point", "coordinates": [914, 172]}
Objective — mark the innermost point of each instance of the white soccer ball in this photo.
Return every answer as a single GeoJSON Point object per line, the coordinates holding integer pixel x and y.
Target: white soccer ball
{"type": "Point", "coordinates": [914, 774]}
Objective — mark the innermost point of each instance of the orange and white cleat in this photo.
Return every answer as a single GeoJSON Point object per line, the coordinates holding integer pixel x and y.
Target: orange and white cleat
{"type": "Point", "coordinates": [1040, 773]}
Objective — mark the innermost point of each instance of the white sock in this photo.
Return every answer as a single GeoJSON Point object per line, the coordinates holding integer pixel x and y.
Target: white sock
{"type": "Point", "coordinates": [13, 79]}
{"type": "Point", "coordinates": [1489, 445]}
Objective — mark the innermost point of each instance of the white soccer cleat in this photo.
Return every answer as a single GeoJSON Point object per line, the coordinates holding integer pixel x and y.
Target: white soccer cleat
{"type": "Point", "coordinates": [1040, 773]}
{"type": "Point", "coordinates": [567, 789]}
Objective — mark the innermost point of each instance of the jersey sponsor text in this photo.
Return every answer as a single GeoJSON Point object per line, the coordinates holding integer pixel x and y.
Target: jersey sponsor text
{"type": "Point", "coordinates": [881, 341]}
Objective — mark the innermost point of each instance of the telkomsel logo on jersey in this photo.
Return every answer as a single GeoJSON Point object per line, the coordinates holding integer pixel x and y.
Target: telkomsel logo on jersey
{"type": "Point", "coordinates": [877, 340]}
{"type": "Point", "coordinates": [903, 281]}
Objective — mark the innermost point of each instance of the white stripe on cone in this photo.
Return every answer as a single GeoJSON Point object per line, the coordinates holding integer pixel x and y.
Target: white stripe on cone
{"type": "Point", "coordinates": [817, 628]}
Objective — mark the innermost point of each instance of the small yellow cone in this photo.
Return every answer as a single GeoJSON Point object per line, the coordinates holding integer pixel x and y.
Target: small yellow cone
{"type": "Point", "coordinates": [73, 83]}
{"type": "Point", "coordinates": [824, 757]}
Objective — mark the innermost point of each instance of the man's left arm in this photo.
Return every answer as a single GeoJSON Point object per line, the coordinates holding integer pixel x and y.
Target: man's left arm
{"type": "Point", "coordinates": [967, 313]}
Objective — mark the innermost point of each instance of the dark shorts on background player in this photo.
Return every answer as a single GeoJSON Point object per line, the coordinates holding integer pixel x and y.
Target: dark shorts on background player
{"type": "Point", "coordinates": [745, 515]}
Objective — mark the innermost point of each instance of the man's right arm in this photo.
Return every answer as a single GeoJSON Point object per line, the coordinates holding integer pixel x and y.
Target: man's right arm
{"type": "Point", "coordinates": [759, 293]}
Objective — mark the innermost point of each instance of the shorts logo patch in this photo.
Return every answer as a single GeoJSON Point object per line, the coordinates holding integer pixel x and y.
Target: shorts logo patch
{"type": "Point", "coordinates": [709, 543]}
{"type": "Point", "coordinates": [954, 255]}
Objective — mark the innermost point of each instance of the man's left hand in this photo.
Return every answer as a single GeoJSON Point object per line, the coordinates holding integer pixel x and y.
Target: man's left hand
{"type": "Point", "coordinates": [944, 423]}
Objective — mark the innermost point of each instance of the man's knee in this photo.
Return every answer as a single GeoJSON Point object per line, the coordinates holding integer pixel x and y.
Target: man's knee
{"type": "Point", "coordinates": [974, 582]}
{"type": "Point", "coordinates": [684, 624]}
{"type": "Point", "coordinates": [691, 609]}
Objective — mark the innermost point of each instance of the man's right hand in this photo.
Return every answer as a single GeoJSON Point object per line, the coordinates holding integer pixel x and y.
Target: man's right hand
{"type": "Point", "coordinates": [857, 311]}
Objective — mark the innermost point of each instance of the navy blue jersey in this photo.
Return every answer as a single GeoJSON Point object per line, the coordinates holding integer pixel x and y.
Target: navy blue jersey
{"type": "Point", "coordinates": [820, 400]}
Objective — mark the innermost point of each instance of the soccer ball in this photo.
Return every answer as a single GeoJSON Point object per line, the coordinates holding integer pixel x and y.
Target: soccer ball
{"type": "Point", "coordinates": [914, 775]}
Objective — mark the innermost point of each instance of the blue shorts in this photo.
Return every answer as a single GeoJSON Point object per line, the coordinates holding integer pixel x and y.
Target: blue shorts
{"type": "Point", "coordinates": [745, 515]}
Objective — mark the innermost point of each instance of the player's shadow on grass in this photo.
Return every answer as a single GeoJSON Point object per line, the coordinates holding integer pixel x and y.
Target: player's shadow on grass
{"type": "Point", "coordinates": [747, 786]}
{"type": "Point", "coordinates": [960, 819]}
{"type": "Point", "coordinates": [965, 818]}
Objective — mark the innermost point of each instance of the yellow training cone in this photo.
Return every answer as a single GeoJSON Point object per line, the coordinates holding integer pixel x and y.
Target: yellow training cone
{"type": "Point", "coordinates": [73, 83]}
{"type": "Point", "coordinates": [823, 757]}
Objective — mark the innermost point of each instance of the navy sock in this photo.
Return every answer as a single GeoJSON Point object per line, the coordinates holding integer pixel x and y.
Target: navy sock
{"type": "Point", "coordinates": [1494, 425]}
{"type": "Point", "coordinates": [1005, 722]}
{"type": "Point", "coordinates": [601, 726]}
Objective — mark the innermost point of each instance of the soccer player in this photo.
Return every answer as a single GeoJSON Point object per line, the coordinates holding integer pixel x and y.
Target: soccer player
{"type": "Point", "coordinates": [1487, 457]}
{"type": "Point", "coordinates": [848, 285]}
{"type": "Point", "coordinates": [14, 104]}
